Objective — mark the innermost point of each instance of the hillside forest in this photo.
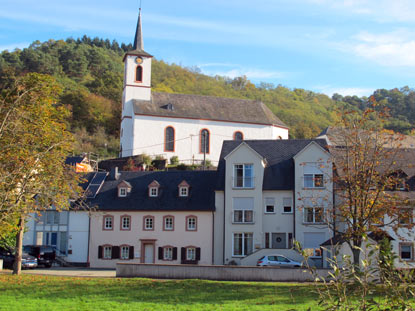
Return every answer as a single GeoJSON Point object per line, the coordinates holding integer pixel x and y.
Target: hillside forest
{"type": "Point", "coordinates": [91, 73]}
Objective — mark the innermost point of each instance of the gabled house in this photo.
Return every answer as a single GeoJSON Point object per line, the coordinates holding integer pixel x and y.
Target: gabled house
{"type": "Point", "coordinates": [270, 192]}
{"type": "Point", "coordinates": [153, 217]}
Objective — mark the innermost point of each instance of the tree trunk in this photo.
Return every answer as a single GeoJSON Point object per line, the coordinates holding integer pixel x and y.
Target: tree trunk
{"type": "Point", "coordinates": [356, 257]}
{"type": "Point", "coordinates": [17, 266]}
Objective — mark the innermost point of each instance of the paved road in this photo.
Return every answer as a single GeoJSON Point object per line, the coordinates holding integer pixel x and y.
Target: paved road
{"type": "Point", "coordinates": [76, 272]}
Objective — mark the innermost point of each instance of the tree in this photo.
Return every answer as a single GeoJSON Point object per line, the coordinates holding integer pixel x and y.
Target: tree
{"type": "Point", "coordinates": [369, 162]}
{"type": "Point", "coordinates": [34, 142]}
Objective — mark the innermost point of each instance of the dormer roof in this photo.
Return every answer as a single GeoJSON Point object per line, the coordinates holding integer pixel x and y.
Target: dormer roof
{"type": "Point", "coordinates": [184, 184]}
{"type": "Point", "coordinates": [124, 184]}
{"type": "Point", "coordinates": [154, 184]}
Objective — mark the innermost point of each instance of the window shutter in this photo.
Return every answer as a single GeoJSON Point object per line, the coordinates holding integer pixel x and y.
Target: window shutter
{"type": "Point", "coordinates": [160, 253]}
{"type": "Point", "coordinates": [131, 252]}
{"type": "Point", "coordinates": [115, 252]}
{"type": "Point", "coordinates": [99, 251]}
{"type": "Point", "coordinates": [197, 253]}
{"type": "Point", "coordinates": [183, 253]}
{"type": "Point", "coordinates": [174, 253]}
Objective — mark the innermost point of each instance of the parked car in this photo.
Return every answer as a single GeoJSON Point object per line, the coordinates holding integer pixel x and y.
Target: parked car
{"type": "Point", "coordinates": [278, 260]}
{"type": "Point", "coordinates": [45, 254]}
{"type": "Point", "coordinates": [8, 258]}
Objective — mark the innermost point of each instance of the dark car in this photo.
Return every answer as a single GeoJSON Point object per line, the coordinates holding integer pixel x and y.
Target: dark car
{"type": "Point", "coordinates": [45, 254]}
{"type": "Point", "coordinates": [8, 257]}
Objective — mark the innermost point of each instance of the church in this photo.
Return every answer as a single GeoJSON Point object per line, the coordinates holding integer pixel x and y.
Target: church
{"type": "Point", "coordinates": [191, 127]}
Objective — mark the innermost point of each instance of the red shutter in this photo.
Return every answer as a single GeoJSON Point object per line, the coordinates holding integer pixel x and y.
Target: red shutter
{"type": "Point", "coordinates": [115, 252]}
{"type": "Point", "coordinates": [131, 252]}
{"type": "Point", "coordinates": [99, 251]}
{"type": "Point", "coordinates": [160, 253]}
{"type": "Point", "coordinates": [197, 253]}
{"type": "Point", "coordinates": [174, 253]}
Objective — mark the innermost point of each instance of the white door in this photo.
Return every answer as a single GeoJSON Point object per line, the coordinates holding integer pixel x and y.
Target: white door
{"type": "Point", "coordinates": [148, 253]}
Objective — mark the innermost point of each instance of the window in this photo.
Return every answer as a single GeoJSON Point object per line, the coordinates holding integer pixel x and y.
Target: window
{"type": "Point", "coordinates": [52, 217]}
{"type": "Point", "coordinates": [191, 223]}
{"type": "Point", "coordinates": [108, 222]}
{"type": "Point", "coordinates": [406, 251]}
{"type": "Point", "coordinates": [107, 252]}
{"type": "Point", "coordinates": [169, 139]}
{"type": "Point", "coordinates": [243, 176]}
{"type": "Point", "coordinates": [287, 205]}
{"type": "Point", "coordinates": [148, 223]}
{"type": "Point", "coordinates": [122, 192]}
{"type": "Point", "coordinates": [167, 253]}
{"type": "Point", "coordinates": [168, 223]}
{"type": "Point", "coordinates": [183, 191]}
{"type": "Point", "coordinates": [314, 215]}
{"type": "Point", "coordinates": [191, 253]}
{"type": "Point", "coordinates": [125, 222]}
{"type": "Point", "coordinates": [153, 191]}
{"type": "Point", "coordinates": [242, 244]}
{"type": "Point", "coordinates": [269, 205]}
{"type": "Point", "coordinates": [243, 216]}
{"type": "Point", "coordinates": [313, 181]}
{"type": "Point", "coordinates": [238, 136]}
{"type": "Point", "coordinates": [139, 74]}
{"type": "Point", "coordinates": [125, 252]}
{"type": "Point", "coordinates": [204, 141]}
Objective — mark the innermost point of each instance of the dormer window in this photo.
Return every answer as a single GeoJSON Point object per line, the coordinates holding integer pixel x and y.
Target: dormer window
{"type": "Point", "coordinates": [184, 189]}
{"type": "Point", "coordinates": [124, 188]}
{"type": "Point", "coordinates": [153, 189]}
{"type": "Point", "coordinates": [122, 192]}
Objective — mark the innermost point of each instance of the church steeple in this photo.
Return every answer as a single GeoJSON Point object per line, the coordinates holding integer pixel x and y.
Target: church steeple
{"type": "Point", "coordinates": [138, 39]}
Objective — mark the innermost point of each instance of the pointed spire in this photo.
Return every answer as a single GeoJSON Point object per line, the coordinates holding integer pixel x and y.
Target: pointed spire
{"type": "Point", "coordinates": [138, 39]}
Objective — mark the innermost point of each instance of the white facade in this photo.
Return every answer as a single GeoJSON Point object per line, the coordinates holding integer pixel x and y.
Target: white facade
{"type": "Point", "coordinates": [68, 231]}
{"type": "Point", "coordinates": [271, 219]}
{"type": "Point", "coordinates": [147, 242]}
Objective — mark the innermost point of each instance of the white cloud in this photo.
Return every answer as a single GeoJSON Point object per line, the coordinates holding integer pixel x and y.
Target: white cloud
{"type": "Point", "coordinates": [394, 49]}
{"type": "Point", "coordinates": [238, 71]}
{"type": "Point", "coordinates": [330, 90]}
{"type": "Point", "coordinates": [13, 46]}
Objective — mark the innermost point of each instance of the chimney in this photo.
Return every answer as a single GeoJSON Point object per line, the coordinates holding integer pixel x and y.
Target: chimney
{"type": "Point", "coordinates": [114, 175]}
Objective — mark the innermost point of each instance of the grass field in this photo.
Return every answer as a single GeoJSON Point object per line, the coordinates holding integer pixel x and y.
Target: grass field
{"type": "Point", "coordinates": [33, 292]}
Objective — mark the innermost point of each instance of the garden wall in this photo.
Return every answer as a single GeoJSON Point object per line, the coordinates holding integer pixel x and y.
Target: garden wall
{"type": "Point", "coordinates": [223, 273]}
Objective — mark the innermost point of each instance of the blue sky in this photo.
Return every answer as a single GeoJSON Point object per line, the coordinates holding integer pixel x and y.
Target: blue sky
{"type": "Point", "coordinates": [344, 46]}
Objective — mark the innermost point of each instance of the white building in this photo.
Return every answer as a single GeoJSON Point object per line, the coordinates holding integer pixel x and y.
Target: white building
{"type": "Point", "coordinates": [187, 126]}
{"type": "Point", "coordinates": [269, 193]}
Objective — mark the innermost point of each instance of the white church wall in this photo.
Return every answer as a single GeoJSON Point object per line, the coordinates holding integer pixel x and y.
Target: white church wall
{"type": "Point", "coordinates": [149, 134]}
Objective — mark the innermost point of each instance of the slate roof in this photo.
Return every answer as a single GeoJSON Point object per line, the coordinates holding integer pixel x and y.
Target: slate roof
{"type": "Point", "coordinates": [201, 192]}
{"type": "Point", "coordinates": [279, 172]}
{"type": "Point", "coordinates": [207, 107]}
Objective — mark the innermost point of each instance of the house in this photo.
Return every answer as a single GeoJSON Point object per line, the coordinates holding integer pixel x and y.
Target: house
{"type": "Point", "coordinates": [399, 230]}
{"type": "Point", "coordinates": [190, 127]}
{"type": "Point", "coordinates": [270, 192]}
{"type": "Point", "coordinates": [67, 231]}
{"type": "Point", "coordinates": [153, 217]}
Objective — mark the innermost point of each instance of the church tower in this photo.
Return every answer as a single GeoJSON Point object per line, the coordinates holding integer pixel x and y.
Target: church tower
{"type": "Point", "coordinates": [137, 86]}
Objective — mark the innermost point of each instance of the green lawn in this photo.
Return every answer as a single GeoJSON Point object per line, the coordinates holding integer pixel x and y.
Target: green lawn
{"type": "Point", "coordinates": [32, 292]}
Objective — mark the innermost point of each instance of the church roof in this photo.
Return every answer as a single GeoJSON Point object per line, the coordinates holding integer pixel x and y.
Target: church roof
{"type": "Point", "coordinates": [207, 108]}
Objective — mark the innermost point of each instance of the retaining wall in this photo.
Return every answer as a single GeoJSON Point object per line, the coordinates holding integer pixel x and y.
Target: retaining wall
{"type": "Point", "coordinates": [222, 273]}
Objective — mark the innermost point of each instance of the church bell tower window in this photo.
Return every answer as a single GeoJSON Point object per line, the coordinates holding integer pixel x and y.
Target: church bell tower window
{"type": "Point", "coordinates": [139, 74]}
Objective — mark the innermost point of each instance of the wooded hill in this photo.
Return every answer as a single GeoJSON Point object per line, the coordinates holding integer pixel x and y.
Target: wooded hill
{"type": "Point", "coordinates": [91, 71]}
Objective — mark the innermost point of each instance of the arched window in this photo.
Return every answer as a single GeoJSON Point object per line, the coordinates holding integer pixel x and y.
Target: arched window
{"type": "Point", "coordinates": [238, 136]}
{"type": "Point", "coordinates": [204, 141]}
{"type": "Point", "coordinates": [169, 139]}
{"type": "Point", "coordinates": [139, 74]}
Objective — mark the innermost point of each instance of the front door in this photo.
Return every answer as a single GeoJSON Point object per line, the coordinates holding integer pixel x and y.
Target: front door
{"type": "Point", "coordinates": [148, 253]}
{"type": "Point", "coordinates": [279, 240]}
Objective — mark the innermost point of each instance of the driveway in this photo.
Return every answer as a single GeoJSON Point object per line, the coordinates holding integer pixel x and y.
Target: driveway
{"type": "Point", "coordinates": [75, 272]}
